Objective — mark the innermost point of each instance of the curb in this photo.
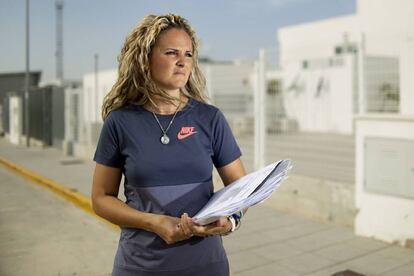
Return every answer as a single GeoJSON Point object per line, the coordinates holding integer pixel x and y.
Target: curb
{"type": "Point", "coordinates": [79, 200]}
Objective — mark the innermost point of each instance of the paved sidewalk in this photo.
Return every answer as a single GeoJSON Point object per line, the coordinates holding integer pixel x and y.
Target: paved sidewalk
{"type": "Point", "coordinates": [268, 243]}
{"type": "Point", "coordinates": [42, 234]}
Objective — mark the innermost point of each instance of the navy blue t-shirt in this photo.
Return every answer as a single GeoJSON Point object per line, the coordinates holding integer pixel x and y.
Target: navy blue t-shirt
{"type": "Point", "coordinates": [167, 179]}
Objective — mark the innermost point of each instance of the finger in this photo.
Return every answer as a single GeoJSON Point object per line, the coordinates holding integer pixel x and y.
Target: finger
{"type": "Point", "coordinates": [189, 221]}
{"type": "Point", "coordinates": [186, 225]}
{"type": "Point", "coordinates": [199, 230]}
{"type": "Point", "coordinates": [208, 230]}
{"type": "Point", "coordinates": [222, 222]}
{"type": "Point", "coordinates": [190, 224]}
{"type": "Point", "coordinates": [212, 231]}
{"type": "Point", "coordinates": [220, 227]}
{"type": "Point", "coordinates": [196, 230]}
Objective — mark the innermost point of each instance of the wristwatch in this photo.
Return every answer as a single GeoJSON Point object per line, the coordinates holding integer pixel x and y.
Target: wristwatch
{"type": "Point", "coordinates": [233, 223]}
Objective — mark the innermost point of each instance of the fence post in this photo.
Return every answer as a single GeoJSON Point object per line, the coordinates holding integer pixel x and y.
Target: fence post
{"type": "Point", "coordinates": [361, 77]}
{"type": "Point", "coordinates": [260, 111]}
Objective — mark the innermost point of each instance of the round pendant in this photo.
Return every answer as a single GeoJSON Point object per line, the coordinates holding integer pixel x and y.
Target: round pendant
{"type": "Point", "coordinates": [165, 139]}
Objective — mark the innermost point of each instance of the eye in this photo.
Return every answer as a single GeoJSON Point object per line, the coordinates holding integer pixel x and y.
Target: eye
{"type": "Point", "coordinates": [170, 53]}
{"type": "Point", "coordinates": [189, 54]}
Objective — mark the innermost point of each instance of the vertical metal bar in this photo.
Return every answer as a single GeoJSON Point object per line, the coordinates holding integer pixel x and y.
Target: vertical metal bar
{"type": "Point", "coordinates": [209, 84]}
{"type": "Point", "coordinates": [96, 115]}
{"type": "Point", "coordinates": [26, 83]}
{"type": "Point", "coordinates": [362, 97]}
{"type": "Point", "coordinates": [260, 112]}
{"type": "Point", "coordinates": [59, 41]}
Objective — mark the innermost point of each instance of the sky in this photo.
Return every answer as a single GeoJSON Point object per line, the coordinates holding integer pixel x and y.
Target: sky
{"type": "Point", "coordinates": [228, 29]}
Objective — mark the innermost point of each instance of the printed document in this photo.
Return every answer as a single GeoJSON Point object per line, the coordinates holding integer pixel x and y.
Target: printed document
{"type": "Point", "coordinates": [247, 191]}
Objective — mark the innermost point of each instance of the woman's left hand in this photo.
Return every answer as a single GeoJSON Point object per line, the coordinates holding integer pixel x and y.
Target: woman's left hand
{"type": "Point", "coordinates": [219, 227]}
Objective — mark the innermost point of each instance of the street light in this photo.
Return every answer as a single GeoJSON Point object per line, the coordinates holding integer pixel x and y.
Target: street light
{"type": "Point", "coordinates": [26, 83]}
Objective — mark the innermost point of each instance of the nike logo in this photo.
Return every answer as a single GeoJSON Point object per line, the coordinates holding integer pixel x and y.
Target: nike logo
{"type": "Point", "coordinates": [185, 132]}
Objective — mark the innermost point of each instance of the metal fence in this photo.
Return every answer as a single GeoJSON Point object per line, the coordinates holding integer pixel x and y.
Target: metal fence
{"type": "Point", "coordinates": [326, 154]}
{"type": "Point", "coordinates": [381, 84]}
{"type": "Point", "coordinates": [46, 115]}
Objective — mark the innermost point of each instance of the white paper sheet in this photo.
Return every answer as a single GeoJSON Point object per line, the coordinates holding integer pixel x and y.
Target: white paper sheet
{"type": "Point", "coordinates": [247, 191]}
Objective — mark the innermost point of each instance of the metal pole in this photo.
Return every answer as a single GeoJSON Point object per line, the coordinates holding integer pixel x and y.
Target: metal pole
{"type": "Point", "coordinates": [59, 41]}
{"type": "Point", "coordinates": [209, 83]}
{"type": "Point", "coordinates": [260, 112]}
{"type": "Point", "coordinates": [96, 89]}
{"type": "Point", "coordinates": [361, 76]}
{"type": "Point", "coordinates": [26, 83]}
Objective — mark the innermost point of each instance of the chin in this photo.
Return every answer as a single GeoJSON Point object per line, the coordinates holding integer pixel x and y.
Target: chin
{"type": "Point", "coordinates": [173, 85]}
{"type": "Point", "coordinates": [177, 86]}
{"type": "Point", "coordinates": [172, 88]}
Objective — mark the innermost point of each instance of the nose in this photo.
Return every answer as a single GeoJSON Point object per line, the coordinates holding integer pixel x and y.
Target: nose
{"type": "Point", "coordinates": [181, 61]}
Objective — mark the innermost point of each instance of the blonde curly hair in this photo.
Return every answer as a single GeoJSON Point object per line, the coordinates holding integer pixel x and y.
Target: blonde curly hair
{"type": "Point", "coordinates": [134, 84]}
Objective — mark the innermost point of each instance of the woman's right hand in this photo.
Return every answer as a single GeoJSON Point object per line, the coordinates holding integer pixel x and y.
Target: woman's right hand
{"type": "Point", "coordinates": [168, 228]}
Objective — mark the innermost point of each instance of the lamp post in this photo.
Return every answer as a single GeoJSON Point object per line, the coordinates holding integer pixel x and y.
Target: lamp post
{"type": "Point", "coordinates": [26, 83]}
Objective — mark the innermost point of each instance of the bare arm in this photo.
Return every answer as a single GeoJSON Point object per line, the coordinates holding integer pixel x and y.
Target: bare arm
{"type": "Point", "coordinates": [106, 181]}
{"type": "Point", "coordinates": [231, 172]}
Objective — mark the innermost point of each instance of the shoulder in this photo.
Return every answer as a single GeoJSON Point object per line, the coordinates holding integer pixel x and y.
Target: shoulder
{"type": "Point", "coordinates": [205, 110]}
{"type": "Point", "coordinates": [121, 114]}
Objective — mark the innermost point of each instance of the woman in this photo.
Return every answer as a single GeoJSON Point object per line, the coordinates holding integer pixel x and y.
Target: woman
{"type": "Point", "coordinates": [159, 132]}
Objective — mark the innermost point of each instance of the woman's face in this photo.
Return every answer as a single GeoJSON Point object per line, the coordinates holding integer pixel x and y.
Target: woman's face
{"type": "Point", "coordinates": [171, 60]}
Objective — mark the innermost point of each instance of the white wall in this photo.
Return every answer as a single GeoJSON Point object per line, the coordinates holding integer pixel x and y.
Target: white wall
{"type": "Point", "coordinates": [315, 39]}
{"type": "Point", "coordinates": [386, 24]}
{"type": "Point", "coordinates": [385, 217]}
{"type": "Point", "coordinates": [92, 101]}
{"type": "Point", "coordinates": [329, 109]}
{"type": "Point", "coordinates": [90, 111]}
{"type": "Point", "coordinates": [16, 119]}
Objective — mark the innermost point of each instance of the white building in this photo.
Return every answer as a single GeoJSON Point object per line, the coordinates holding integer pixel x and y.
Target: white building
{"type": "Point", "coordinates": [362, 65]}
{"type": "Point", "coordinates": [326, 64]}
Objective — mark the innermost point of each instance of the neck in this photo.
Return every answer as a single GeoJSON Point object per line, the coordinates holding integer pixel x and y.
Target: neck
{"type": "Point", "coordinates": [166, 108]}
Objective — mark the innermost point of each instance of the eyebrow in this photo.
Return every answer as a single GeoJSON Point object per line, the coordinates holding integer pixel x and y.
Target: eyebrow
{"type": "Point", "coordinates": [176, 49]}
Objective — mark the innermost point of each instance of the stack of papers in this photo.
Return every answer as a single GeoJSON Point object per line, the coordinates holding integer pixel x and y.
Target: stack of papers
{"type": "Point", "coordinates": [247, 191]}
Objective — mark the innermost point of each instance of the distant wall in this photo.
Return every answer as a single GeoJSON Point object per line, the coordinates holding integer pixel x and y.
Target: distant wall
{"type": "Point", "coordinates": [316, 39]}
{"type": "Point", "coordinates": [320, 94]}
{"type": "Point", "coordinates": [92, 96]}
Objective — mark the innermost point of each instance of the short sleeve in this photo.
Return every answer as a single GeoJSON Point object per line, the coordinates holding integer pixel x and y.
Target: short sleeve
{"type": "Point", "coordinates": [225, 148]}
{"type": "Point", "coordinates": [108, 149]}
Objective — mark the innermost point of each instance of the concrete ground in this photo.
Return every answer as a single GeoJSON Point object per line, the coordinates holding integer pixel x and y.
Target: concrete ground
{"type": "Point", "coordinates": [42, 234]}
